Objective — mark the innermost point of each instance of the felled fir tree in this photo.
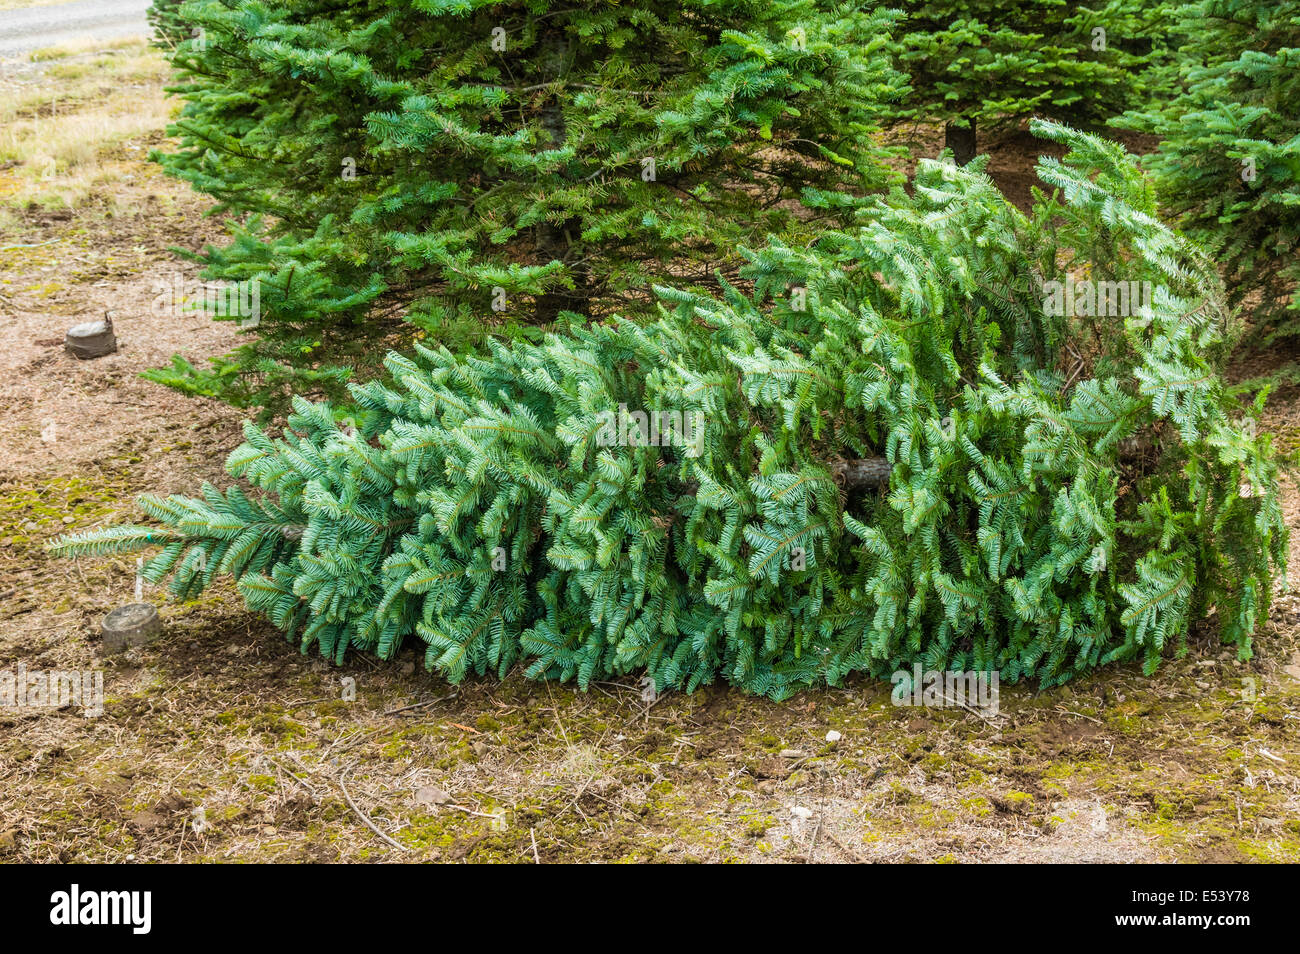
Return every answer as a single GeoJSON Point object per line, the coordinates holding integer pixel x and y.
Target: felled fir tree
{"type": "Point", "coordinates": [894, 451]}
{"type": "Point", "coordinates": [1229, 162]}
{"type": "Point", "coordinates": [473, 164]}
{"type": "Point", "coordinates": [983, 63]}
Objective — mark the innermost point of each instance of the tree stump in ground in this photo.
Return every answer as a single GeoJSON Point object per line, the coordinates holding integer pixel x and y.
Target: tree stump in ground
{"type": "Point", "coordinates": [91, 339]}
{"type": "Point", "coordinates": [134, 624]}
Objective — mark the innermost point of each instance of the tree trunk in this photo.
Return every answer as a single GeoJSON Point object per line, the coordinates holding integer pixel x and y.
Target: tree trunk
{"type": "Point", "coordinates": [864, 473]}
{"type": "Point", "coordinates": [869, 473]}
{"type": "Point", "coordinates": [553, 241]}
{"type": "Point", "coordinates": [961, 140]}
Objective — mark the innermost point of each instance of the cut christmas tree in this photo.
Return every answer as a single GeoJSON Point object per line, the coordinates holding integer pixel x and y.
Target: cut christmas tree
{"type": "Point", "coordinates": [952, 435]}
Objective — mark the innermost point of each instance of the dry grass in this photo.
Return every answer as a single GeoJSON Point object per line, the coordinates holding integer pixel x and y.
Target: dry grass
{"type": "Point", "coordinates": [68, 130]}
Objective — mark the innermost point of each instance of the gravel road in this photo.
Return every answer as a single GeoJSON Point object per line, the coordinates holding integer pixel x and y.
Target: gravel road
{"type": "Point", "coordinates": [33, 28]}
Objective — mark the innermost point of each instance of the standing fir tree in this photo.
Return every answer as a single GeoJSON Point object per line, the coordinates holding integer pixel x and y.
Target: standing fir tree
{"type": "Point", "coordinates": [1230, 160]}
{"type": "Point", "coordinates": [169, 26]}
{"type": "Point", "coordinates": [896, 450]}
{"type": "Point", "coordinates": [979, 64]}
{"type": "Point", "coordinates": [469, 164]}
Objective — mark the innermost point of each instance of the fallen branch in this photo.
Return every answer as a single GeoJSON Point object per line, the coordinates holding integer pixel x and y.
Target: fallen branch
{"type": "Point", "coordinates": [364, 818]}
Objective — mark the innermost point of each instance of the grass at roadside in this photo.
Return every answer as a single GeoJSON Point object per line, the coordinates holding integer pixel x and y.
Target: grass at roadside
{"type": "Point", "coordinates": [24, 4]}
{"type": "Point", "coordinates": [68, 128]}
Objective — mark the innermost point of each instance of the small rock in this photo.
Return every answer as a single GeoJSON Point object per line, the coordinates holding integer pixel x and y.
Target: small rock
{"type": "Point", "coordinates": [1202, 685]}
{"type": "Point", "coordinates": [792, 753]}
{"type": "Point", "coordinates": [69, 519]}
{"type": "Point", "coordinates": [431, 795]}
{"type": "Point", "coordinates": [30, 525]}
{"type": "Point", "coordinates": [1293, 670]}
{"type": "Point", "coordinates": [798, 811]}
{"type": "Point", "coordinates": [833, 736]}
{"type": "Point", "coordinates": [145, 821]}
{"type": "Point", "coordinates": [480, 749]}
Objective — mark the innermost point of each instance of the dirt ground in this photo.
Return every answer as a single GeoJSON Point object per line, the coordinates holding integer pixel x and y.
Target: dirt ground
{"type": "Point", "coordinates": [221, 743]}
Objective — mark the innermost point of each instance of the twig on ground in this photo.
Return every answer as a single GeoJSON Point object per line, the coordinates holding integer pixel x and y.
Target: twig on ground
{"type": "Point", "coordinates": [362, 815]}
{"type": "Point", "coordinates": [421, 705]}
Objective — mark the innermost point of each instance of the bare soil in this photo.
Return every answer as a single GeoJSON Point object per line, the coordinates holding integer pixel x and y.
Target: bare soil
{"type": "Point", "coordinates": [222, 742]}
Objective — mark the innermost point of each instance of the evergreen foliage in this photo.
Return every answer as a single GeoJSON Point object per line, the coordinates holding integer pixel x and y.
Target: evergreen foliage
{"type": "Point", "coordinates": [982, 63]}
{"type": "Point", "coordinates": [486, 506]}
{"type": "Point", "coordinates": [1229, 162]}
{"type": "Point", "coordinates": [170, 28]}
{"type": "Point", "coordinates": [472, 163]}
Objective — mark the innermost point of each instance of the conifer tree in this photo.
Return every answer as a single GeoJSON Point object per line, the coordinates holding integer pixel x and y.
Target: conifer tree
{"type": "Point", "coordinates": [975, 64]}
{"type": "Point", "coordinates": [472, 163]}
{"type": "Point", "coordinates": [894, 450]}
{"type": "Point", "coordinates": [169, 26]}
{"type": "Point", "coordinates": [1229, 162]}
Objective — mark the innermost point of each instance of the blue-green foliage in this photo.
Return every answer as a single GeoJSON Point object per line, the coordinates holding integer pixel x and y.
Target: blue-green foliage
{"type": "Point", "coordinates": [405, 158]}
{"type": "Point", "coordinates": [1229, 160]}
{"type": "Point", "coordinates": [476, 503]}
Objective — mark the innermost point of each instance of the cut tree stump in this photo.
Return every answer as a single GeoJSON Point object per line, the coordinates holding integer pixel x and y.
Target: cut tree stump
{"type": "Point", "coordinates": [91, 339]}
{"type": "Point", "coordinates": [865, 472]}
{"type": "Point", "coordinates": [134, 624]}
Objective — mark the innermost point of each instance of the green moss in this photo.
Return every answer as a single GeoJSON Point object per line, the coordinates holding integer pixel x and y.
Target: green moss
{"type": "Point", "coordinates": [276, 725]}
{"type": "Point", "coordinates": [1272, 850]}
{"type": "Point", "coordinates": [46, 506]}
